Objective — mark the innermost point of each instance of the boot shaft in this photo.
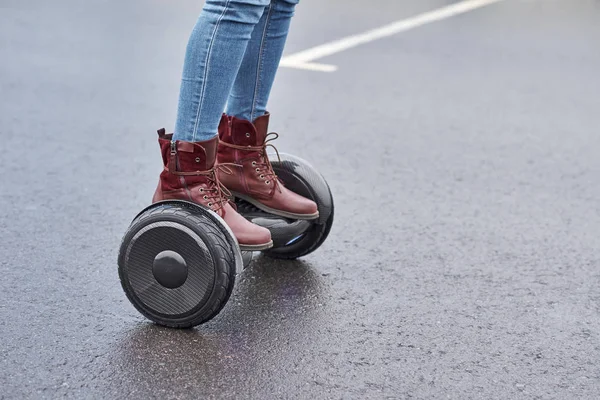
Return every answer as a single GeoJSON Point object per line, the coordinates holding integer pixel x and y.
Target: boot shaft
{"type": "Point", "coordinates": [243, 133]}
{"type": "Point", "coordinates": [182, 159]}
{"type": "Point", "coordinates": [243, 144]}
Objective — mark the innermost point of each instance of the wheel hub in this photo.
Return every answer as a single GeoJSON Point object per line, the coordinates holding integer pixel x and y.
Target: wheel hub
{"type": "Point", "coordinates": [170, 269]}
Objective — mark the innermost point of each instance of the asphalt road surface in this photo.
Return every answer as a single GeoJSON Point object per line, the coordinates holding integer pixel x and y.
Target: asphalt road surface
{"type": "Point", "coordinates": [464, 159]}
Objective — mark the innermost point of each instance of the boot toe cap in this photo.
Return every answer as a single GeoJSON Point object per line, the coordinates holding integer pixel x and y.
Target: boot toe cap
{"type": "Point", "coordinates": [245, 231]}
{"type": "Point", "coordinates": [255, 239]}
{"type": "Point", "coordinates": [255, 235]}
{"type": "Point", "coordinates": [309, 207]}
{"type": "Point", "coordinates": [299, 204]}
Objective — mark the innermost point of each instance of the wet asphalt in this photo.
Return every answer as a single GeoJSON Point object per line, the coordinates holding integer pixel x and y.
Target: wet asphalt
{"type": "Point", "coordinates": [463, 157]}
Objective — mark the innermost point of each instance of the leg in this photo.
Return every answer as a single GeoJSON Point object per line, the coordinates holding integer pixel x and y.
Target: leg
{"type": "Point", "coordinates": [213, 58]}
{"type": "Point", "coordinates": [214, 54]}
{"type": "Point", "coordinates": [248, 99]}
{"type": "Point", "coordinates": [244, 143]}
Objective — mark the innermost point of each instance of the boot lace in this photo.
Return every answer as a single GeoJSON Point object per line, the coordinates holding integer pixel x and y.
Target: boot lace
{"type": "Point", "coordinates": [263, 166]}
{"type": "Point", "coordinates": [215, 192]}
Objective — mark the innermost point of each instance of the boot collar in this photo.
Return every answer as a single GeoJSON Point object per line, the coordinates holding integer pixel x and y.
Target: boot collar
{"type": "Point", "coordinates": [261, 124]}
{"type": "Point", "coordinates": [204, 154]}
{"type": "Point", "coordinates": [246, 133]}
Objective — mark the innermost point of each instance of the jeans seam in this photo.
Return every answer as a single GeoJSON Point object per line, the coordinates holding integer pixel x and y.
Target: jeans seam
{"type": "Point", "coordinates": [206, 67]}
{"type": "Point", "coordinates": [261, 61]}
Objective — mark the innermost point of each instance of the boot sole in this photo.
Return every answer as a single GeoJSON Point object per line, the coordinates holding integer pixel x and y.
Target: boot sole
{"type": "Point", "coordinates": [256, 247]}
{"type": "Point", "coordinates": [274, 211]}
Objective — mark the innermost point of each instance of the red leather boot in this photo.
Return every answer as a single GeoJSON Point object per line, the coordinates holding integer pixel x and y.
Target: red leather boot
{"type": "Point", "coordinates": [243, 147]}
{"type": "Point", "coordinates": [190, 174]}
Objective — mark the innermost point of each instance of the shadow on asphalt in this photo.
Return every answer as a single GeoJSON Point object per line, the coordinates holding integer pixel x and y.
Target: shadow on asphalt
{"type": "Point", "coordinates": [276, 306]}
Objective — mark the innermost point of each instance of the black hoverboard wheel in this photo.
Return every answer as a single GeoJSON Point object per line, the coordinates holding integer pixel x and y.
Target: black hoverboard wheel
{"type": "Point", "coordinates": [295, 238]}
{"type": "Point", "coordinates": [178, 262]}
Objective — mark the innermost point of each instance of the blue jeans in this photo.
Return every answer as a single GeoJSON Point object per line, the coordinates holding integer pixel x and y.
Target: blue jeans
{"type": "Point", "coordinates": [231, 60]}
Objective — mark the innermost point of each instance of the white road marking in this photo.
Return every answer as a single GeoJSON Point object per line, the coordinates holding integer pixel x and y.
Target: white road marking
{"type": "Point", "coordinates": [303, 59]}
{"type": "Point", "coordinates": [309, 66]}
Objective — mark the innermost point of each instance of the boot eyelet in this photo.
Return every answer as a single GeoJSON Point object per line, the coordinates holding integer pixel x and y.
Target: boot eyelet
{"type": "Point", "coordinates": [247, 134]}
{"type": "Point", "coordinates": [257, 170]}
{"type": "Point", "coordinates": [262, 176]}
{"type": "Point", "coordinates": [254, 163]}
{"type": "Point", "coordinates": [197, 159]}
{"type": "Point", "coordinates": [268, 182]}
{"type": "Point", "coordinates": [205, 197]}
{"type": "Point", "coordinates": [210, 204]}
{"type": "Point", "coordinates": [201, 190]}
